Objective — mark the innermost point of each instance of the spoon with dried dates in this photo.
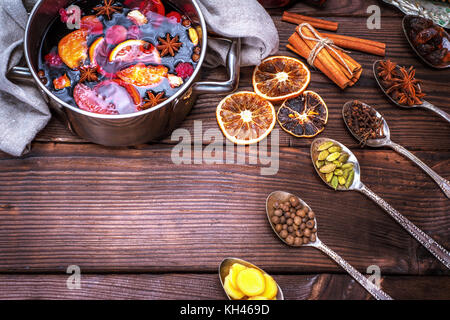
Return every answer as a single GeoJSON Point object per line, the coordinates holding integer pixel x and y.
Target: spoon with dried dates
{"type": "Point", "coordinates": [401, 87]}
{"type": "Point", "coordinates": [369, 127]}
{"type": "Point", "coordinates": [428, 40]}
{"type": "Point", "coordinates": [320, 145]}
{"type": "Point", "coordinates": [295, 224]}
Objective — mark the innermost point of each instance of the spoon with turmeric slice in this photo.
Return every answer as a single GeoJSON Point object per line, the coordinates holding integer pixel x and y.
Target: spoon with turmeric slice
{"type": "Point", "coordinates": [313, 241]}
{"type": "Point", "coordinates": [242, 280]}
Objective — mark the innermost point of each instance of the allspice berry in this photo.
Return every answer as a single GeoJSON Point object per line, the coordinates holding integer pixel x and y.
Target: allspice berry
{"type": "Point", "coordinates": [284, 234]}
{"type": "Point", "coordinates": [290, 240]}
{"type": "Point", "coordinates": [310, 224]}
{"type": "Point", "coordinates": [294, 201]}
{"type": "Point", "coordinates": [278, 227]}
{"type": "Point", "coordinates": [298, 241]}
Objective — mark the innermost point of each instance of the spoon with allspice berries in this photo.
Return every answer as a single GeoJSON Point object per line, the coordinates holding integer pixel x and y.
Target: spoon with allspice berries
{"type": "Point", "coordinates": [402, 88]}
{"type": "Point", "coordinates": [295, 224]}
{"type": "Point", "coordinates": [369, 127]}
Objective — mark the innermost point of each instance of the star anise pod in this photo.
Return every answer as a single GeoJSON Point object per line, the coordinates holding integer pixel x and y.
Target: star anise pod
{"type": "Point", "coordinates": [107, 9]}
{"type": "Point", "coordinates": [407, 81]}
{"type": "Point", "coordinates": [387, 70]}
{"type": "Point", "coordinates": [152, 100]}
{"type": "Point", "coordinates": [169, 45]}
{"type": "Point", "coordinates": [88, 73]}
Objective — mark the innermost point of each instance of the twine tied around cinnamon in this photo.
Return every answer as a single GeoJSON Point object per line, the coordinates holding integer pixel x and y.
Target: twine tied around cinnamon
{"type": "Point", "coordinates": [321, 44]}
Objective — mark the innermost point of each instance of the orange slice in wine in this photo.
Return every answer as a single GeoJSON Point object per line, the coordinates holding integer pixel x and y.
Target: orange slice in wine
{"type": "Point", "coordinates": [73, 48]}
{"type": "Point", "coordinates": [279, 78]}
{"type": "Point", "coordinates": [245, 118]}
{"type": "Point", "coordinates": [135, 50]}
{"type": "Point", "coordinates": [303, 116]}
{"type": "Point", "coordinates": [143, 76]}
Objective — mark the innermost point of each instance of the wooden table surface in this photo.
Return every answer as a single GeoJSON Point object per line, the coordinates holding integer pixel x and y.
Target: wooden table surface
{"type": "Point", "coordinates": [142, 227]}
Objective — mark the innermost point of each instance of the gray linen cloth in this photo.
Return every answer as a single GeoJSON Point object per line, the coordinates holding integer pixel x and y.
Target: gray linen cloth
{"type": "Point", "coordinates": [23, 113]}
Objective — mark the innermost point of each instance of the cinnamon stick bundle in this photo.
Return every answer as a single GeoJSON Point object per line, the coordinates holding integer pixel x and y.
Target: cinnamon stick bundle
{"type": "Point", "coordinates": [316, 23]}
{"type": "Point", "coordinates": [335, 64]}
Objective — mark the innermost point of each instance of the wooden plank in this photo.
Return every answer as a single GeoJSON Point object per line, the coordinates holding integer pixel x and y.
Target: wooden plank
{"type": "Point", "coordinates": [207, 287]}
{"type": "Point", "coordinates": [415, 129]}
{"type": "Point", "coordinates": [131, 209]}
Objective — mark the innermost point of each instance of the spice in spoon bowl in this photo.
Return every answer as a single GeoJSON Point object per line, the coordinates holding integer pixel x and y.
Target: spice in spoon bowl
{"type": "Point", "coordinates": [291, 219]}
{"type": "Point", "coordinates": [364, 122]}
{"type": "Point", "coordinates": [242, 280]}
{"type": "Point", "coordinates": [335, 164]}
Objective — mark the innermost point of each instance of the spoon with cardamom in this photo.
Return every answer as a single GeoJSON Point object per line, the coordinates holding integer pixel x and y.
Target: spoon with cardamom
{"type": "Point", "coordinates": [306, 234]}
{"type": "Point", "coordinates": [370, 128]}
{"type": "Point", "coordinates": [386, 85]}
{"type": "Point", "coordinates": [338, 167]}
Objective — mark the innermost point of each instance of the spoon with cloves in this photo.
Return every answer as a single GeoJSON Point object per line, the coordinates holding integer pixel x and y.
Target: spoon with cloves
{"type": "Point", "coordinates": [224, 270]}
{"type": "Point", "coordinates": [384, 140]}
{"type": "Point", "coordinates": [312, 240]}
{"type": "Point", "coordinates": [356, 185]}
{"type": "Point", "coordinates": [425, 104]}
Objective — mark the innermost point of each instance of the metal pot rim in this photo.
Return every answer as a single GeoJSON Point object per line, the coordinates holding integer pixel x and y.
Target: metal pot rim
{"type": "Point", "coordinates": [185, 86]}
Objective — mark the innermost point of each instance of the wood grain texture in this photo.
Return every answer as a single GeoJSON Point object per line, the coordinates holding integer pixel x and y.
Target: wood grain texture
{"type": "Point", "coordinates": [131, 209]}
{"type": "Point", "coordinates": [207, 287]}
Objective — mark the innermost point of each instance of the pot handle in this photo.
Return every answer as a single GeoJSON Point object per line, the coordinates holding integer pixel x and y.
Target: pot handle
{"type": "Point", "coordinates": [22, 74]}
{"type": "Point", "coordinates": [233, 70]}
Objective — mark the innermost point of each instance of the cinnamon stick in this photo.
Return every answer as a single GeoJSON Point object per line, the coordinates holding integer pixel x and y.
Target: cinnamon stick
{"type": "Point", "coordinates": [316, 23]}
{"type": "Point", "coordinates": [358, 44]}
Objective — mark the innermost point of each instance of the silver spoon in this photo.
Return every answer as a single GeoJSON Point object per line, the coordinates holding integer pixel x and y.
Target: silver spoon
{"type": "Point", "coordinates": [282, 196]}
{"type": "Point", "coordinates": [224, 270]}
{"type": "Point", "coordinates": [387, 142]}
{"type": "Point", "coordinates": [424, 105]}
{"type": "Point", "coordinates": [435, 248]}
{"type": "Point", "coordinates": [405, 30]}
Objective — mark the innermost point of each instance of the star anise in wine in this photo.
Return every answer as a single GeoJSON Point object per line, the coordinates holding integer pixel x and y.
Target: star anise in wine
{"type": "Point", "coordinates": [88, 73]}
{"type": "Point", "coordinates": [169, 45]}
{"type": "Point", "coordinates": [107, 9]}
{"type": "Point", "coordinates": [387, 70]}
{"type": "Point", "coordinates": [152, 100]}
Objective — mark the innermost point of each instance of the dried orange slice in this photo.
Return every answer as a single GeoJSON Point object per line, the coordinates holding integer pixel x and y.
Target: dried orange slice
{"type": "Point", "coordinates": [279, 78]}
{"type": "Point", "coordinates": [304, 116]}
{"type": "Point", "coordinates": [143, 76]}
{"type": "Point", "coordinates": [73, 48]}
{"type": "Point", "coordinates": [245, 118]}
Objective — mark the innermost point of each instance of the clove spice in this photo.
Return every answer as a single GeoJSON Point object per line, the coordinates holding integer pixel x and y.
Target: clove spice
{"type": "Point", "coordinates": [364, 122]}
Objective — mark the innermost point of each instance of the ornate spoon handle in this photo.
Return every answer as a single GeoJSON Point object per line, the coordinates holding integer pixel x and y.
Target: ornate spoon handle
{"type": "Point", "coordinates": [436, 110]}
{"type": "Point", "coordinates": [435, 248]}
{"type": "Point", "coordinates": [376, 292]}
{"type": "Point", "coordinates": [442, 183]}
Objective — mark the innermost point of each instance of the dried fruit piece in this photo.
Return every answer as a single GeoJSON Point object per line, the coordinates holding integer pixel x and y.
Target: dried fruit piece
{"type": "Point", "coordinates": [304, 116]}
{"type": "Point", "coordinates": [73, 48]}
{"type": "Point", "coordinates": [137, 17]}
{"type": "Point", "coordinates": [184, 70]}
{"type": "Point", "coordinates": [245, 118]}
{"type": "Point", "coordinates": [174, 80]}
{"type": "Point", "coordinates": [174, 17]}
{"type": "Point", "coordinates": [92, 24]}
{"type": "Point", "coordinates": [280, 78]}
{"type": "Point", "coordinates": [62, 82]}
{"type": "Point", "coordinates": [193, 35]}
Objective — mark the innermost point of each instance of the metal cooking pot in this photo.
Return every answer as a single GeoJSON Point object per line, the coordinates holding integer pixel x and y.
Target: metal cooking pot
{"type": "Point", "coordinates": [128, 129]}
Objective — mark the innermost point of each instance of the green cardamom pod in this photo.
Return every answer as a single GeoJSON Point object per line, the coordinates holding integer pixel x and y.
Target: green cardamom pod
{"type": "Point", "coordinates": [334, 182]}
{"type": "Point", "coordinates": [334, 149]}
{"type": "Point", "coordinates": [333, 156]}
{"type": "Point", "coordinates": [325, 146]}
{"type": "Point", "coordinates": [323, 155]}
{"type": "Point", "coordinates": [319, 164]}
{"type": "Point", "coordinates": [344, 158]}
{"type": "Point", "coordinates": [342, 181]}
{"type": "Point", "coordinates": [338, 172]}
{"type": "Point", "coordinates": [347, 166]}
{"type": "Point", "coordinates": [329, 176]}
{"type": "Point", "coordinates": [328, 168]}
{"type": "Point", "coordinates": [350, 178]}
